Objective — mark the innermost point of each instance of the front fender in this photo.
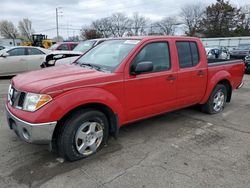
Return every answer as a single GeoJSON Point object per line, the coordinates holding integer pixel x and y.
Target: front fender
{"type": "Point", "coordinates": [67, 101]}
{"type": "Point", "coordinates": [82, 96]}
{"type": "Point", "coordinates": [213, 81]}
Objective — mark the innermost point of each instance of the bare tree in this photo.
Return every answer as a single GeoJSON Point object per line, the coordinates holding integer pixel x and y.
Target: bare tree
{"type": "Point", "coordinates": [138, 24]}
{"type": "Point", "coordinates": [192, 15]}
{"type": "Point", "coordinates": [120, 24]}
{"type": "Point", "coordinates": [25, 28]}
{"type": "Point", "coordinates": [8, 30]}
{"type": "Point", "coordinates": [116, 25]}
{"type": "Point", "coordinates": [246, 11]}
{"type": "Point", "coordinates": [166, 26]}
{"type": "Point", "coordinates": [103, 26]}
{"type": "Point", "coordinates": [89, 33]}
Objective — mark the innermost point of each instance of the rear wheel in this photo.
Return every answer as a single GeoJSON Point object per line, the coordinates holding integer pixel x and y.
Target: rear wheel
{"type": "Point", "coordinates": [82, 134]}
{"type": "Point", "coordinates": [216, 101]}
{"type": "Point", "coordinates": [247, 71]}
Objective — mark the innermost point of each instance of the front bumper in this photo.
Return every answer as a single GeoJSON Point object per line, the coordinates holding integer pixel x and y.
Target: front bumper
{"type": "Point", "coordinates": [240, 86]}
{"type": "Point", "coordinates": [40, 133]}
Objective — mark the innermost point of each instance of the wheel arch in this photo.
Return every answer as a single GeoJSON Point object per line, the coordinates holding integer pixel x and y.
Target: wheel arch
{"type": "Point", "coordinates": [221, 77]}
{"type": "Point", "coordinates": [112, 117]}
{"type": "Point", "coordinates": [227, 84]}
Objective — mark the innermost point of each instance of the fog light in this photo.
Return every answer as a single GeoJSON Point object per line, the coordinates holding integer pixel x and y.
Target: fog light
{"type": "Point", "coordinates": [26, 134]}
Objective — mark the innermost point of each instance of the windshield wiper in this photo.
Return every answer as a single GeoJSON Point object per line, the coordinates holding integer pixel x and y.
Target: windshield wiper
{"type": "Point", "coordinates": [91, 65]}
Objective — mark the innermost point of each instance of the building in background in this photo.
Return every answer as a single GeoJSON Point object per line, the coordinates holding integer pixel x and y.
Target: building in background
{"type": "Point", "coordinates": [229, 42]}
{"type": "Point", "coordinates": [10, 42]}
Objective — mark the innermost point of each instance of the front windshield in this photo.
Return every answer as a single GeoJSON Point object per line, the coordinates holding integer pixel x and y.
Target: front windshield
{"type": "Point", "coordinates": [84, 46]}
{"type": "Point", "coordinates": [53, 47]}
{"type": "Point", "coordinates": [109, 54]}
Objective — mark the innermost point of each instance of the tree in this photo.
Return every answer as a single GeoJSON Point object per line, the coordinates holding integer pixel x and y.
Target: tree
{"type": "Point", "coordinates": [119, 25]}
{"type": "Point", "coordinates": [8, 30]}
{"type": "Point", "coordinates": [220, 20]}
{"type": "Point", "coordinates": [88, 33]}
{"type": "Point", "coordinates": [191, 15]}
{"type": "Point", "coordinates": [243, 27]}
{"type": "Point", "coordinates": [59, 39]}
{"type": "Point", "coordinates": [102, 26]}
{"type": "Point", "coordinates": [138, 24]}
{"type": "Point", "coordinates": [116, 25]}
{"type": "Point", "coordinates": [25, 28]}
{"type": "Point", "coordinates": [166, 26]}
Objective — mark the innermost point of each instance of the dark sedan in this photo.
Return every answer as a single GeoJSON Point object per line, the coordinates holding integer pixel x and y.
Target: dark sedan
{"type": "Point", "coordinates": [241, 51]}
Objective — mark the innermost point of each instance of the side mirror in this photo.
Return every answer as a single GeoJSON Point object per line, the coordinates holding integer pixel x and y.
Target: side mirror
{"type": "Point", "coordinates": [144, 66]}
{"type": "Point", "coordinates": [5, 54]}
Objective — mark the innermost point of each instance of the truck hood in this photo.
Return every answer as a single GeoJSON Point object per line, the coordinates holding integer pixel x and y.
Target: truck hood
{"type": "Point", "coordinates": [57, 78]}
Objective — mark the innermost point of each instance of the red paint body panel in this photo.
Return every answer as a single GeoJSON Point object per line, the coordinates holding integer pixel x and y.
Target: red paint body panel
{"type": "Point", "coordinates": [130, 97]}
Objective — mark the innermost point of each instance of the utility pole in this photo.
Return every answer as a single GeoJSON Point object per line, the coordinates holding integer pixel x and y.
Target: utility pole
{"type": "Point", "coordinates": [57, 31]}
{"type": "Point", "coordinates": [57, 27]}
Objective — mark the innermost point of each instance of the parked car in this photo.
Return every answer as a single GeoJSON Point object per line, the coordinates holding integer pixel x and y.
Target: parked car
{"type": "Point", "coordinates": [67, 57]}
{"type": "Point", "coordinates": [241, 51]}
{"type": "Point", "coordinates": [19, 59]}
{"type": "Point", "coordinates": [218, 53]}
{"type": "Point", "coordinates": [247, 64]}
{"type": "Point", "coordinates": [2, 47]}
{"type": "Point", "coordinates": [66, 46]}
{"type": "Point", "coordinates": [77, 107]}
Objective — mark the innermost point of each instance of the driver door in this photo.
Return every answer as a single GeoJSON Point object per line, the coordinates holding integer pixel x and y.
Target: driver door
{"type": "Point", "coordinates": [154, 92]}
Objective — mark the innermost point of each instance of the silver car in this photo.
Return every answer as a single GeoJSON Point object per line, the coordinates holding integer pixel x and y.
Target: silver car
{"type": "Point", "coordinates": [19, 59]}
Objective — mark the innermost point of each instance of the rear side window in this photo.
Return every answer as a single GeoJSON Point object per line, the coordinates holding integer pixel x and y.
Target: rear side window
{"type": "Point", "coordinates": [63, 47]}
{"type": "Point", "coordinates": [33, 51]}
{"type": "Point", "coordinates": [72, 46]}
{"type": "Point", "coordinates": [187, 53]}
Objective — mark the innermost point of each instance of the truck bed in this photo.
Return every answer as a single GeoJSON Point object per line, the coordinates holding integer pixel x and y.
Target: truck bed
{"type": "Point", "coordinates": [216, 62]}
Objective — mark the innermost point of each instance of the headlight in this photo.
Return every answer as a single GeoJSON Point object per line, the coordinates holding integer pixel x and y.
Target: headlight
{"type": "Point", "coordinates": [51, 62]}
{"type": "Point", "coordinates": [34, 101]}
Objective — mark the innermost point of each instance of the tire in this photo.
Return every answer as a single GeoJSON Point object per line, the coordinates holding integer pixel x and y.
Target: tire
{"type": "Point", "coordinates": [247, 71]}
{"type": "Point", "coordinates": [80, 134]}
{"type": "Point", "coordinates": [211, 107]}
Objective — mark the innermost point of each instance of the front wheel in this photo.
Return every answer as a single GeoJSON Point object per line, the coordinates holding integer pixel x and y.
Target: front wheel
{"type": "Point", "coordinates": [82, 134]}
{"type": "Point", "coordinates": [216, 101]}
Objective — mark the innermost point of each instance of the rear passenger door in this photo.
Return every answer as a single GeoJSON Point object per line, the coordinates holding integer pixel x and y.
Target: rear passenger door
{"type": "Point", "coordinates": [35, 57]}
{"type": "Point", "coordinates": [192, 74]}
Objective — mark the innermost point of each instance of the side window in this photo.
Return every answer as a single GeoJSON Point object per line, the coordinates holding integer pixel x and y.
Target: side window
{"type": "Point", "coordinates": [188, 54]}
{"type": "Point", "coordinates": [195, 53]}
{"type": "Point", "coordinates": [72, 46]}
{"type": "Point", "coordinates": [63, 47]}
{"type": "Point", "coordinates": [157, 53]}
{"type": "Point", "coordinates": [17, 52]}
{"type": "Point", "coordinates": [33, 51]}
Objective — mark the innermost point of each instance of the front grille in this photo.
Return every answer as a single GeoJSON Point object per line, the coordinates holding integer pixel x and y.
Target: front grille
{"type": "Point", "coordinates": [16, 97]}
{"type": "Point", "coordinates": [21, 99]}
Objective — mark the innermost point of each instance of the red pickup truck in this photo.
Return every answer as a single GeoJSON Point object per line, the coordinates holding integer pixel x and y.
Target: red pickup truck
{"type": "Point", "coordinates": [77, 107]}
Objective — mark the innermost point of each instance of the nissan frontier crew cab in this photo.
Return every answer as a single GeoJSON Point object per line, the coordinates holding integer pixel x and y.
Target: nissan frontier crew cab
{"type": "Point", "coordinates": [77, 107]}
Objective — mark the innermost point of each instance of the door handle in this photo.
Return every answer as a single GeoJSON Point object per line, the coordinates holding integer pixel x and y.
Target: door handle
{"type": "Point", "coordinates": [171, 77]}
{"type": "Point", "coordinates": [200, 73]}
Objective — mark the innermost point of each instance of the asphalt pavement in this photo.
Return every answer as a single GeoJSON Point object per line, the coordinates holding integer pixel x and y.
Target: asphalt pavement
{"type": "Point", "coordinates": [185, 148]}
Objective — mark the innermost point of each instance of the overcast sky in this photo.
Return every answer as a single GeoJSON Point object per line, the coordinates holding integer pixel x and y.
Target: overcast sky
{"type": "Point", "coordinates": [76, 13]}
